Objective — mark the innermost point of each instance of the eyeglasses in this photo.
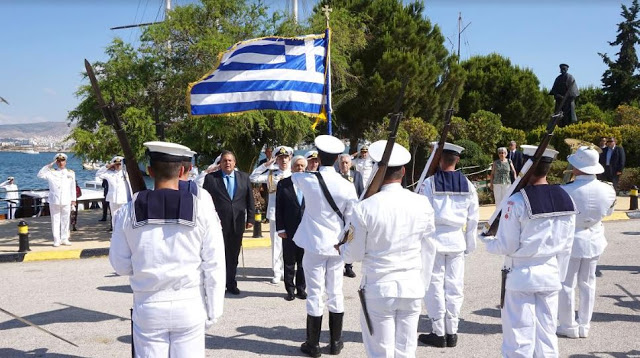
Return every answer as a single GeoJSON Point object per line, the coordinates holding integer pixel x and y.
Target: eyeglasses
{"type": "Point", "coordinates": [502, 152]}
{"type": "Point", "coordinates": [60, 160]}
{"type": "Point", "coordinates": [609, 141]}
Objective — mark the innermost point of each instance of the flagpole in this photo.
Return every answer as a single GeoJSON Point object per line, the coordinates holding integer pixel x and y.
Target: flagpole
{"type": "Point", "coordinates": [326, 9]}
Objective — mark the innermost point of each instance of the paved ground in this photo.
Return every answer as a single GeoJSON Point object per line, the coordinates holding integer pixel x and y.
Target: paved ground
{"type": "Point", "coordinates": [83, 301]}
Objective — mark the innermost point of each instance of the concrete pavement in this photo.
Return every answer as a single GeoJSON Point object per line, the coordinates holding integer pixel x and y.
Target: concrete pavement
{"type": "Point", "coordinates": [93, 238]}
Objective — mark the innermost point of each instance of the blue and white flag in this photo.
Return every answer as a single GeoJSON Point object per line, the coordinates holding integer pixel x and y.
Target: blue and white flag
{"type": "Point", "coordinates": [286, 74]}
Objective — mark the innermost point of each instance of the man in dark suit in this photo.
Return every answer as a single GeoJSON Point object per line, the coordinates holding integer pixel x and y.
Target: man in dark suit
{"type": "Point", "coordinates": [614, 162]}
{"type": "Point", "coordinates": [289, 210]}
{"type": "Point", "coordinates": [603, 156]}
{"type": "Point", "coordinates": [516, 158]}
{"type": "Point", "coordinates": [233, 199]}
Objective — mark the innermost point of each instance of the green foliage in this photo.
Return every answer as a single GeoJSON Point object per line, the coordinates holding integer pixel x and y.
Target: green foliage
{"type": "Point", "coordinates": [482, 128]}
{"type": "Point", "coordinates": [630, 177]}
{"type": "Point", "coordinates": [508, 134]}
{"type": "Point", "coordinates": [472, 156]}
{"type": "Point", "coordinates": [420, 135]}
{"type": "Point", "coordinates": [625, 114]}
{"type": "Point", "coordinates": [629, 138]}
{"type": "Point", "coordinates": [620, 82]}
{"type": "Point", "coordinates": [557, 171]}
{"type": "Point", "coordinates": [593, 95]}
{"type": "Point", "coordinates": [495, 85]}
{"type": "Point", "coordinates": [589, 112]}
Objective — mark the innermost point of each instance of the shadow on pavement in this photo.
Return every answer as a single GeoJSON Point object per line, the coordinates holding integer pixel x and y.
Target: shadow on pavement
{"type": "Point", "coordinates": [69, 314]}
{"type": "Point", "coordinates": [633, 353]}
{"type": "Point", "coordinates": [631, 233]}
{"type": "Point", "coordinates": [40, 352]}
{"type": "Point", "coordinates": [620, 268]}
{"type": "Point", "coordinates": [244, 294]}
{"type": "Point", "coordinates": [121, 288]}
{"type": "Point", "coordinates": [125, 339]}
{"type": "Point", "coordinates": [242, 342]}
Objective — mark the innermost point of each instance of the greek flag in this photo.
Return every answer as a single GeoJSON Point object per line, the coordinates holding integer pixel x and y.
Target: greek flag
{"type": "Point", "coordinates": [286, 74]}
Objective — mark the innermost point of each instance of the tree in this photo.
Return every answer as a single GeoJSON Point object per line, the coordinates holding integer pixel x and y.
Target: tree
{"type": "Point", "coordinates": [400, 44]}
{"type": "Point", "coordinates": [494, 84]}
{"type": "Point", "coordinates": [620, 82]}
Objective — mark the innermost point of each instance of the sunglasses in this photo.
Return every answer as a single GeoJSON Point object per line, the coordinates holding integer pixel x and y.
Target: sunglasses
{"type": "Point", "coordinates": [60, 160]}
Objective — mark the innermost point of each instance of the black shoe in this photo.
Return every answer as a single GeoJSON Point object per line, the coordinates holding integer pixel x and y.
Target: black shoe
{"type": "Point", "coordinates": [433, 340]}
{"type": "Point", "coordinates": [103, 219]}
{"type": "Point", "coordinates": [311, 351]}
{"type": "Point", "coordinates": [452, 340]}
{"type": "Point", "coordinates": [301, 294]}
{"type": "Point", "coordinates": [290, 296]}
{"type": "Point", "coordinates": [348, 271]}
{"type": "Point", "coordinates": [233, 291]}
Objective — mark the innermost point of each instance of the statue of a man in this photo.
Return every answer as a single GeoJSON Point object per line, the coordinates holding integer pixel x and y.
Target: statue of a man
{"type": "Point", "coordinates": [565, 84]}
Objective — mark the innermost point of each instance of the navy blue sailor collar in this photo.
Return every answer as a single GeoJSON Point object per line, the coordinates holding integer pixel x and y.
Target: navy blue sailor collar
{"type": "Point", "coordinates": [544, 201]}
{"type": "Point", "coordinates": [449, 183]}
{"type": "Point", "coordinates": [164, 206]}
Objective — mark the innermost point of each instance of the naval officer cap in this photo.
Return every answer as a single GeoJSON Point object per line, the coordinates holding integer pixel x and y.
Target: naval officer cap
{"type": "Point", "coordinates": [116, 159]}
{"type": "Point", "coordinates": [399, 154]}
{"type": "Point", "coordinates": [283, 150]}
{"type": "Point", "coordinates": [586, 160]}
{"type": "Point", "coordinates": [60, 156]}
{"type": "Point", "coordinates": [548, 156]}
{"type": "Point", "coordinates": [449, 148]}
{"type": "Point", "coordinates": [329, 144]}
{"type": "Point", "coordinates": [312, 154]}
{"type": "Point", "coordinates": [168, 152]}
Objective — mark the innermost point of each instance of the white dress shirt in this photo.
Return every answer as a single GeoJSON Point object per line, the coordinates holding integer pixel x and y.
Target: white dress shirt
{"type": "Point", "coordinates": [62, 184]}
{"type": "Point", "coordinates": [119, 189]}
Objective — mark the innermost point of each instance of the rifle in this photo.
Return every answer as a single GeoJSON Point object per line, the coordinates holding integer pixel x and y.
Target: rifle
{"type": "Point", "coordinates": [436, 153]}
{"type": "Point", "coordinates": [137, 182]}
{"type": "Point", "coordinates": [491, 227]}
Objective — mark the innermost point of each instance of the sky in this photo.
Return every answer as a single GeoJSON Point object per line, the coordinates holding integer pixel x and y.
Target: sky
{"type": "Point", "coordinates": [44, 42]}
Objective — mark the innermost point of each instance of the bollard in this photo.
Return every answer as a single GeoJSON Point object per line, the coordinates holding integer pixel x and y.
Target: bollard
{"type": "Point", "coordinates": [633, 198]}
{"type": "Point", "coordinates": [23, 236]}
{"type": "Point", "coordinates": [257, 224]}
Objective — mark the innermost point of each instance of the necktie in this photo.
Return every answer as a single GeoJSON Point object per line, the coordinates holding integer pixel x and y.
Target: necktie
{"type": "Point", "coordinates": [230, 184]}
{"type": "Point", "coordinates": [299, 196]}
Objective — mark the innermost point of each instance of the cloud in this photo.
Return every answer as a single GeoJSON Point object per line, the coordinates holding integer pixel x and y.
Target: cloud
{"type": "Point", "coordinates": [49, 91]}
{"type": "Point", "coordinates": [8, 119]}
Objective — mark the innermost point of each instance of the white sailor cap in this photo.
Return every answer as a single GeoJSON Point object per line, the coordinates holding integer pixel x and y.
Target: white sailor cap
{"type": "Point", "coordinates": [312, 154]}
{"type": "Point", "coordinates": [329, 144]}
{"type": "Point", "coordinates": [60, 155]}
{"type": "Point", "coordinates": [548, 156]}
{"type": "Point", "coordinates": [449, 147]}
{"type": "Point", "coordinates": [9, 178]}
{"type": "Point", "coordinates": [399, 154]}
{"type": "Point", "coordinates": [116, 159]}
{"type": "Point", "coordinates": [283, 150]}
{"type": "Point", "coordinates": [168, 152]}
{"type": "Point", "coordinates": [586, 160]}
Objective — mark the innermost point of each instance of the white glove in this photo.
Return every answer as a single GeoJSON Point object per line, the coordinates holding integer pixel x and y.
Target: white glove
{"type": "Point", "coordinates": [486, 239]}
{"type": "Point", "coordinates": [208, 323]}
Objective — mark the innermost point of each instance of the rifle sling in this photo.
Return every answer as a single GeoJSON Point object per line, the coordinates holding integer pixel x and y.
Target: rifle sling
{"type": "Point", "coordinates": [328, 196]}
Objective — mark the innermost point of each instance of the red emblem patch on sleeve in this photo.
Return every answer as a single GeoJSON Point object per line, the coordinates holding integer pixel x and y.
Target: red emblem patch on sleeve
{"type": "Point", "coordinates": [506, 216]}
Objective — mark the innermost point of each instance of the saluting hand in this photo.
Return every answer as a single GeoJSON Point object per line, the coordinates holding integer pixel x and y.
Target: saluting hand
{"type": "Point", "coordinates": [282, 235]}
{"type": "Point", "coordinates": [249, 226]}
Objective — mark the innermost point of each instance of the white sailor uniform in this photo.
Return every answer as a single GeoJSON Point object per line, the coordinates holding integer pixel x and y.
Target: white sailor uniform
{"type": "Point", "coordinates": [62, 191]}
{"type": "Point", "coordinates": [318, 232]}
{"type": "Point", "coordinates": [365, 167]}
{"type": "Point", "coordinates": [171, 246]}
{"type": "Point", "coordinates": [455, 202]}
{"type": "Point", "coordinates": [119, 192]}
{"type": "Point", "coordinates": [12, 197]}
{"type": "Point", "coordinates": [393, 237]}
{"type": "Point", "coordinates": [594, 200]}
{"type": "Point", "coordinates": [271, 177]}
{"type": "Point", "coordinates": [536, 227]}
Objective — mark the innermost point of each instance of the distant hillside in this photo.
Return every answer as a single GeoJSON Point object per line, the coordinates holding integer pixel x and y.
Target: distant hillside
{"type": "Point", "coordinates": [35, 130]}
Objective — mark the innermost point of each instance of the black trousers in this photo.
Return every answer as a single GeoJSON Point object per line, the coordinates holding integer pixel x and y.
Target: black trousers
{"type": "Point", "coordinates": [610, 175]}
{"type": "Point", "coordinates": [232, 246]}
{"type": "Point", "coordinates": [292, 256]}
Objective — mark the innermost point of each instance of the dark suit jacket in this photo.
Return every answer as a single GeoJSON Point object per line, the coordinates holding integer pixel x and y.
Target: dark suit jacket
{"type": "Point", "coordinates": [617, 161]}
{"type": "Point", "coordinates": [232, 212]}
{"type": "Point", "coordinates": [357, 181]}
{"type": "Point", "coordinates": [517, 159]}
{"type": "Point", "coordinates": [288, 210]}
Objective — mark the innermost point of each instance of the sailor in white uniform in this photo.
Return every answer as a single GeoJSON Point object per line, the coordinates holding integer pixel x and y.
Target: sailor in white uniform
{"type": "Point", "coordinates": [12, 197]}
{"type": "Point", "coordinates": [364, 165]}
{"type": "Point", "coordinates": [62, 195]}
{"type": "Point", "coordinates": [265, 174]}
{"type": "Point", "coordinates": [393, 237]}
{"type": "Point", "coordinates": [317, 234]}
{"type": "Point", "coordinates": [536, 227]}
{"type": "Point", "coordinates": [312, 160]}
{"type": "Point", "coordinates": [169, 242]}
{"type": "Point", "coordinates": [455, 202]}
{"type": "Point", "coordinates": [594, 200]}
{"type": "Point", "coordinates": [119, 188]}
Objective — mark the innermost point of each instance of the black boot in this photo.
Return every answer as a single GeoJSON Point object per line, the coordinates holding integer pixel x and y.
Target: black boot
{"type": "Point", "coordinates": [335, 329]}
{"type": "Point", "coordinates": [348, 270]}
{"type": "Point", "coordinates": [452, 340]}
{"type": "Point", "coordinates": [433, 340]}
{"type": "Point", "coordinates": [312, 346]}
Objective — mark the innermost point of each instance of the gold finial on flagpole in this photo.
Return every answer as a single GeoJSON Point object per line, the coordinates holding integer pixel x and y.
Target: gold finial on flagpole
{"type": "Point", "coordinates": [326, 10]}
